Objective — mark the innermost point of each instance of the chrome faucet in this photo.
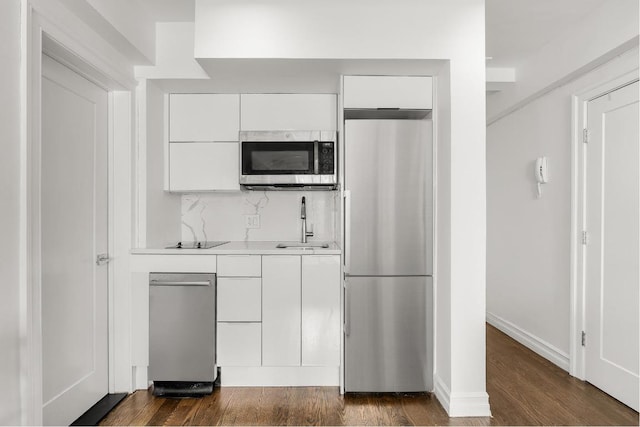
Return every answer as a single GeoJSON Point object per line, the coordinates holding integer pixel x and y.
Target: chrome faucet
{"type": "Point", "coordinates": [303, 216]}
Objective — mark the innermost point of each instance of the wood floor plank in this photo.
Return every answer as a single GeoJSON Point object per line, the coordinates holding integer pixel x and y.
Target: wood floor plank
{"type": "Point", "coordinates": [273, 410]}
{"type": "Point", "coordinates": [184, 412]}
{"type": "Point", "coordinates": [135, 403]}
{"type": "Point", "coordinates": [212, 407]}
{"type": "Point", "coordinates": [163, 413]}
{"type": "Point", "coordinates": [143, 417]}
{"type": "Point", "coordinates": [524, 389]}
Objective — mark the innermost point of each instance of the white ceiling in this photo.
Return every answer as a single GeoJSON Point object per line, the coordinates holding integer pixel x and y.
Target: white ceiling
{"type": "Point", "coordinates": [517, 28]}
{"type": "Point", "coordinates": [514, 28]}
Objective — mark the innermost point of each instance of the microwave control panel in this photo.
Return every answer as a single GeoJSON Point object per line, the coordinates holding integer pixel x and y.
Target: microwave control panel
{"type": "Point", "coordinates": [326, 158]}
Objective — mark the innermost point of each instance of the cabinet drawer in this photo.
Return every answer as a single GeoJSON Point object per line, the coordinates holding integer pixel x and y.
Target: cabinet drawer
{"type": "Point", "coordinates": [239, 344]}
{"type": "Point", "coordinates": [239, 299]}
{"type": "Point", "coordinates": [410, 92]}
{"type": "Point", "coordinates": [239, 265]}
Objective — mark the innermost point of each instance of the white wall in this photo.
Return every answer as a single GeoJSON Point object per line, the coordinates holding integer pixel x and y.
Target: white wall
{"type": "Point", "coordinates": [394, 29]}
{"type": "Point", "coordinates": [442, 217]}
{"type": "Point", "coordinates": [130, 19]}
{"type": "Point", "coordinates": [528, 239]}
{"type": "Point", "coordinates": [163, 208]}
{"type": "Point", "coordinates": [174, 54]}
{"type": "Point", "coordinates": [124, 24]}
{"type": "Point", "coordinates": [10, 211]}
{"type": "Point", "coordinates": [426, 29]}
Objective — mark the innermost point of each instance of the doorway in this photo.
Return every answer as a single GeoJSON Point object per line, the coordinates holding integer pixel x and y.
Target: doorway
{"type": "Point", "coordinates": [608, 254]}
{"type": "Point", "coordinates": [74, 243]}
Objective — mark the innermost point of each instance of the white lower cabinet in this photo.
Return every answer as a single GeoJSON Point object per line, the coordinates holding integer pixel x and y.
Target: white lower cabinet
{"type": "Point", "coordinates": [239, 304]}
{"type": "Point", "coordinates": [301, 310]}
{"type": "Point", "coordinates": [239, 299]}
{"type": "Point", "coordinates": [281, 310]}
{"type": "Point", "coordinates": [239, 344]}
{"type": "Point", "coordinates": [282, 327]}
{"type": "Point", "coordinates": [321, 310]}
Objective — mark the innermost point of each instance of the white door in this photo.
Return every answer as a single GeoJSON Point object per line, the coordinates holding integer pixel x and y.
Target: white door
{"type": "Point", "coordinates": [612, 254]}
{"type": "Point", "coordinates": [74, 231]}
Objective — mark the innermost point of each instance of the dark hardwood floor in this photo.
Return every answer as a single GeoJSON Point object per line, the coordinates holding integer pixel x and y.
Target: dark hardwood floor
{"type": "Point", "coordinates": [524, 389]}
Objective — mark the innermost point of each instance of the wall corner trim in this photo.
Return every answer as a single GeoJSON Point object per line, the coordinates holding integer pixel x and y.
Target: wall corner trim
{"type": "Point", "coordinates": [461, 404]}
{"type": "Point", "coordinates": [532, 342]}
{"type": "Point", "coordinates": [442, 392]}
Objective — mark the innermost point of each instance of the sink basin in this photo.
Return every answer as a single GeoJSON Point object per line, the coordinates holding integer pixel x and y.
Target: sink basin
{"type": "Point", "coordinates": [302, 245]}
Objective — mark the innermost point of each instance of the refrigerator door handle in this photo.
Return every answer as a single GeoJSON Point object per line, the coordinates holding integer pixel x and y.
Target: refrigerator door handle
{"type": "Point", "coordinates": [347, 230]}
{"type": "Point", "coordinates": [347, 315]}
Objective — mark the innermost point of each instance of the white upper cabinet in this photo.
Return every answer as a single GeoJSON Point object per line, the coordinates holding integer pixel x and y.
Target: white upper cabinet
{"type": "Point", "coordinates": [203, 117]}
{"type": "Point", "coordinates": [204, 166]}
{"type": "Point", "coordinates": [410, 92]}
{"type": "Point", "coordinates": [288, 112]}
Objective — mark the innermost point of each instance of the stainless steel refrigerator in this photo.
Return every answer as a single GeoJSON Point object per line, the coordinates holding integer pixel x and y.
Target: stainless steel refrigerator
{"type": "Point", "coordinates": [388, 255]}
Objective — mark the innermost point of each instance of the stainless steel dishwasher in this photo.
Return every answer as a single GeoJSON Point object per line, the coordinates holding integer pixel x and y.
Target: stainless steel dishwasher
{"type": "Point", "coordinates": [182, 333]}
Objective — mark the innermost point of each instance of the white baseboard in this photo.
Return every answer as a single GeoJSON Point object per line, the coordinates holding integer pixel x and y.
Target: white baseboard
{"type": "Point", "coordinates": [232, 376]}
{"type": "Point", "coordinates": [539, 346]}
{"type": "Point", "coordinates": [304, 376]}
{"type": "Point", "coordinates": [140, 378]}
{"type": "Point", "coordinates": [442, 392]}
{"type": "Point", "coordinates": [461, 404]}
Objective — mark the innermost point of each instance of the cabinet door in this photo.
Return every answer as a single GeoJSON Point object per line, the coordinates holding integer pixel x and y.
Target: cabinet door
{"type": "Point", "coordinates": [410, 92]}
{"type": "Point", "coordinates": [203, 117]}
{"type": "Point", "coordinates": [239, 299]}
{"type": "Point", "coordinates": [203, 166]}
{"type": "Point", "coordinates": [320, 310]}
{"type": "Point", "coordinates": [281, 310]}
{"type": "Point", "coordinates": [238, 344]}
{"type": "Point", "coordinates": [289, 112]}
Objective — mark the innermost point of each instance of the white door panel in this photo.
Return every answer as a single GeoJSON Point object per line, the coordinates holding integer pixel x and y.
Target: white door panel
{"type": "Point", "coordinates": [612, 254]}
{"type": "Point", "coordinates": [321, 310]}
{"type": "Point", "coordinates": [74, 231]}
{"type": "Point", "coordinates": [281, 327]}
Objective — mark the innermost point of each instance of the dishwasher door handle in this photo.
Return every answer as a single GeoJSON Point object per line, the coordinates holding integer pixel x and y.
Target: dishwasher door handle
{"type": "Point", "coordinates": [153, 282]}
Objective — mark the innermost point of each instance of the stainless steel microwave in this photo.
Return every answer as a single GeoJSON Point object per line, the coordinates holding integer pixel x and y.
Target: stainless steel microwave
{"type": "Point", "coordinates": [288, 159]}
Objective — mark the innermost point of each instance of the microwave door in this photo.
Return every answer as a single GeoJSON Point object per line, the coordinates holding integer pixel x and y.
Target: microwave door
{"type": "Point", "coordinates": [280, 162]}
{"type": "Point", "coordinates": [278, 158]}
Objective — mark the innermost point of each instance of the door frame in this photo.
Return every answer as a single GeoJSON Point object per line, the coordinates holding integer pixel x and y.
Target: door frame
{"type": "Point", "coordinates": [577, 311]}
{"type": "Point", "coordinates": [44, 31]}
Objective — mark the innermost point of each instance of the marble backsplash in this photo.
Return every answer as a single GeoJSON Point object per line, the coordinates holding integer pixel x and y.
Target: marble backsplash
{"type": "Point", "coordinates": [221, 216]}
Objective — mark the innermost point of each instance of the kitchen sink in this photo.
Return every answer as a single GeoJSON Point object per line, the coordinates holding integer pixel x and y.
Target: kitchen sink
{"type": "Point", "coordinates": [302, 245]}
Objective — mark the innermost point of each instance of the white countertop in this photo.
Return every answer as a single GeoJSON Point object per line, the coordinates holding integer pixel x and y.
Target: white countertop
{"type": "Point", "coordinates": [245, 248]}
